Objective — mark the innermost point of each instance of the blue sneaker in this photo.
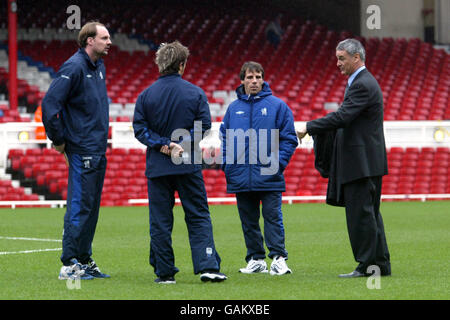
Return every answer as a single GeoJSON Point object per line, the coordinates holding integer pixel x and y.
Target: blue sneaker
{"type": "Point", "coordinates": [93, 270]}
{"type": "Point", "coordinates": [75, 271]}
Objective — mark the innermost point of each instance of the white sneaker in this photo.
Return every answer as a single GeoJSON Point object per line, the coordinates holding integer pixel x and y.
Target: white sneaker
{"type": "Point", "coordinates": [255, 266]}
{"type": "Point", "coordinates": [279, 266]}
{"type": "Point", "coordinates": [73, 272]}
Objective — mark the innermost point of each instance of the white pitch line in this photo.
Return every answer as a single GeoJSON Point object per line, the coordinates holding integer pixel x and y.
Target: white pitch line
{"type": "Point", "coordinates": [29, 251]}
{"type": "Point", "coordinates": [30, 239]}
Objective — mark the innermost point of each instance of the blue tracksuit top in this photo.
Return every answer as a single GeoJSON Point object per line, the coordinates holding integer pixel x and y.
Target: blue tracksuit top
{"type": "Point", "coordinates": [169, 106]}
{"type": "Point", "coordinates": [75, 109]}
{"type": "Point", "coordinates": [258, 117]}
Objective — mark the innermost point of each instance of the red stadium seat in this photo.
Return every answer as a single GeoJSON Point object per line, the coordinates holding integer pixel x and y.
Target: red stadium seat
{"type": "Point", "coordinates": [409, 92]}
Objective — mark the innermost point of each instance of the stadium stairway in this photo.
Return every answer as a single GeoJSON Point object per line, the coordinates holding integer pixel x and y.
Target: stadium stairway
{"type": "Point", "coordinates": [41, 53]}
{"type": "Point", "coordinates": [411, 171]}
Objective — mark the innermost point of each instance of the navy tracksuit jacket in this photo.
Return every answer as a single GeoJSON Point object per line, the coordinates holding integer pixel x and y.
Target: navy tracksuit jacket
{"type": "Point", "coordinates": [165, 112]}
{"type": "Point", "coordinates": [75, 111]}
{"type": "Point", "coordinates": [254, 161]}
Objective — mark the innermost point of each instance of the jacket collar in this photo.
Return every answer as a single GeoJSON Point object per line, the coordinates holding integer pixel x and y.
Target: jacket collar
{"type": "Point", "coordinates": [170, 75]}
{"type": "Point", "coordinates": [90, 63]}
{"type": "Point", "coordinates": [356, 74]}
{"type": "Point", "coordinates": [265, 91]}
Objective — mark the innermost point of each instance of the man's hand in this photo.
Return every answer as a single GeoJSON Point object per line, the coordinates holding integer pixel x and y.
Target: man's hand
{"type": "Point", "coordinates": [60, 148]}
{"type": "Point", "coordinates": [208, 152]}
{"type": "Point", "coordinates": [301, 132]}
{"type": "Point", "coordinates": [173, 149]}
{"type": "Point", "coordinates": [165, 150]}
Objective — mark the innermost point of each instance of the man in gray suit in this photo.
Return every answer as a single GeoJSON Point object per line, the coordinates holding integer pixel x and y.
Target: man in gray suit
{"type": "Point", "coordinates": [358, 160]}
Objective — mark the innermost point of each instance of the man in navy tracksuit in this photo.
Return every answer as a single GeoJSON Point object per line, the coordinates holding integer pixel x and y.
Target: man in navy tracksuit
{"type": "Point", "coordinates": [165, 121]}
{"type": "Point", "coordinates": [258, 140]}
{"type": "Point", "coordinates": [75, 114]}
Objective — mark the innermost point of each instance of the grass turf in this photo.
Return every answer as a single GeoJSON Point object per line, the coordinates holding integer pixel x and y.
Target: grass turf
{"type": "Point", "coordinates": [316, 238]}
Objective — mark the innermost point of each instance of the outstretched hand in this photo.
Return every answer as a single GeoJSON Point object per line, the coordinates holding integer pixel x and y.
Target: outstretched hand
{"type": "Point", "coordinates": [301, 132]}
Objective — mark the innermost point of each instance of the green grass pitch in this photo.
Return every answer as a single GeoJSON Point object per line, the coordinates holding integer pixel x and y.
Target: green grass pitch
{"type": "Point", "coordinates": [418, 235]}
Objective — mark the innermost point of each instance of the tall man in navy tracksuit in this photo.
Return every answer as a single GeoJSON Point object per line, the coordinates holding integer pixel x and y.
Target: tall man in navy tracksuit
{"type": "Point", "coordinates": [169, 115]}
{"type": "Point", "coordinates": [75, 114]}
{"type": "Point", "coordinates": [258, 140]}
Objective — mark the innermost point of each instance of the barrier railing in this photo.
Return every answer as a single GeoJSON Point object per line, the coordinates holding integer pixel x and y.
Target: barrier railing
{"type": "Point", "coordinates": [397, 133]}
{"type": "Point", "coordinates": [292, 199]}
{"type": "Point", "coordinates": [231, 200]}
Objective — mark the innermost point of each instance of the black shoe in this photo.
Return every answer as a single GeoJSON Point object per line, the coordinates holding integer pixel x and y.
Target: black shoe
{"type": "Point", "coordinates": [212, 276]}
{"type": "Point", "coordinates": [165, 280]}
{"type": "Point", "coordinates": [385, 270]}
{"type": "Point", "coordinates": [354, 274]}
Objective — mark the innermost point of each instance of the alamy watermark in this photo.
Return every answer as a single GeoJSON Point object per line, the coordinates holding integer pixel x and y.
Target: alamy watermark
{"type": "Point", "coordinates": [374, 20]}
{"type": "Point", "coordinates": [263, 147]}
{"type": "Point", "coordinates": [374, 280]}
{"type": "Point", "coordinates": [74, 282]}
{"type": "Point", "coordinates": [74, 20]}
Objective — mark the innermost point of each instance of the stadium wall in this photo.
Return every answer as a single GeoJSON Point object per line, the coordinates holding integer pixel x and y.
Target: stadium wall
{"type": "Point", "coordinates": [398, 134]}
{"type": "Point", "coordinates": [442, 17]}
{"type": "Point", "coordinates": [404, 134]}
{"type": "Point", "coordinates": [399, 19]}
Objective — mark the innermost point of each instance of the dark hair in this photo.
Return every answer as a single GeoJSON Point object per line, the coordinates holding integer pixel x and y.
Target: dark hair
{"type": "Point", "coordinates": [251, 66]}
{"type": "Point", "coordinates": [169, 57]}
{"type": "Point", "coordinates": [88, 30]}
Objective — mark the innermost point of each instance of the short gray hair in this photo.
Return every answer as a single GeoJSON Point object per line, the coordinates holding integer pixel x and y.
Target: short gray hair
{"type": "Point", "coordinates": [169, 57]}
{"type": "Point", "coordinates": [352, 46]}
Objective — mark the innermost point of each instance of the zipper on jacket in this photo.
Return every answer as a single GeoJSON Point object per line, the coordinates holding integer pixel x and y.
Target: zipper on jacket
{"type": "Point", "coordinates": [249, 149]}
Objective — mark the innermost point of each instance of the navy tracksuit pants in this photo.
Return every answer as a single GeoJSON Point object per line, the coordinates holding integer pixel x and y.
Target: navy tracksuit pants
{"type": "Point", "coordinates": [86, 176]}
{"type": "Point", "coordinates": [192, 193]}
{"type": "Point", "coordinates": [248, 204]}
